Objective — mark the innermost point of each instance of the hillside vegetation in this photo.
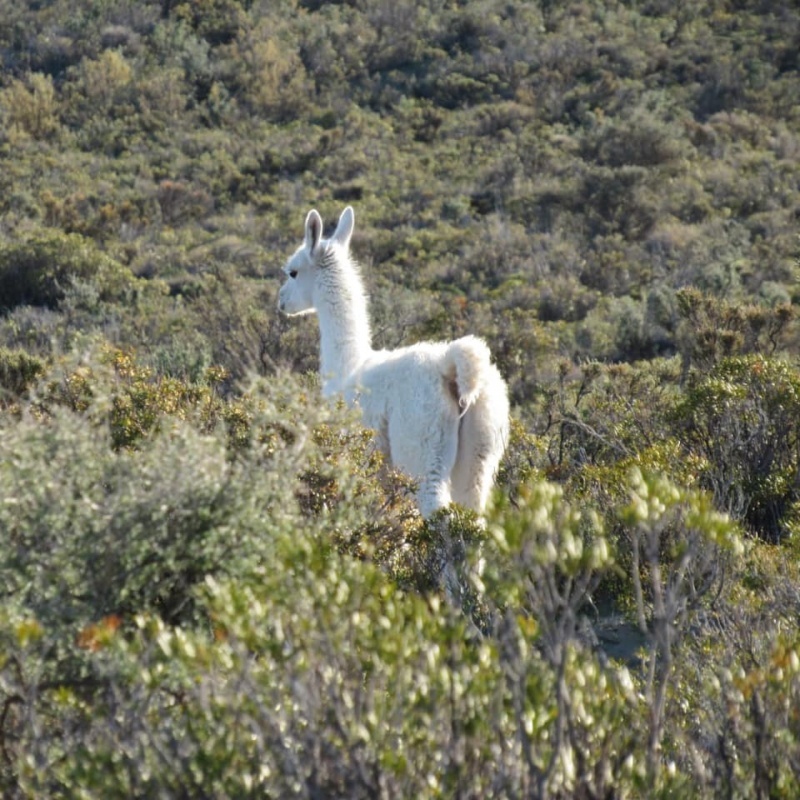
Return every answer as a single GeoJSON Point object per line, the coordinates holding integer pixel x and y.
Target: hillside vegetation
{"type": "Point", "coordinates": [209, 584]}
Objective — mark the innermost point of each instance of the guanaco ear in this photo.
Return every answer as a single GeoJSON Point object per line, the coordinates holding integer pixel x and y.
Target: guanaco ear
{"type": "Point", "coordinates": [313, 230]}
{"type": "Point", "coordinates": [344, 230]}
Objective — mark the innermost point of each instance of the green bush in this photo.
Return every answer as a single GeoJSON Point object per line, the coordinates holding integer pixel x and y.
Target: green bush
{"type": "Point", "coordinates": [297, 648]}
{"type": "Point", "coordinates": [89, 530]}
{"type": "Point", "coordinates": [187, 615]}
{"type": "Point", "coordinates": [741, 419]}
{"type": "Point", "coordinates": [39, 269]}
{"type": "Point", "coordinates": [18, 373]}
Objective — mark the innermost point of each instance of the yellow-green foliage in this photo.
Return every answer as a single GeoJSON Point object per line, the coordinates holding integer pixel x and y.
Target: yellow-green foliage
{"type": "Point", "coordinates": [245, 599]}
{"type": "Point", "coordinates": [30, 106]}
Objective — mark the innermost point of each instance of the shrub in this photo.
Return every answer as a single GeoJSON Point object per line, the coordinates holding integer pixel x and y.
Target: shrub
{"type": "Point", "coordinates": [31, 105]}
{"type": "Point", "coordinates": [306, 651]}
{"type": "Point", "coordinates": [639, 140]}
{"type": "Point", "coordinates": [274, 82]}
{"type": "Point", "coordinates": [217, 21]}
{"type": "Point", "coordinates": [619, 201]}
{"type": "Point", "coordinates": [36, 270]}
{"type": "Point", "coordinates": [106, 82]}
{"type": "Point", "coordinates": [678, 544]}
{"type": "Point", "coordinates": [143, 541]}
{"type": "Point", "coordinates": [741, 418]}
{"type": "Point", "coordinates": [185, 618]}
{"type": "Point", "coordinates": [712, 329]}
{"type": "Point", "coordinates": [18, 372]}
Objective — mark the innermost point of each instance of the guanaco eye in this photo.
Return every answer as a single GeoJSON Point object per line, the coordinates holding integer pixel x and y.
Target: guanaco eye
{"type": "Point", "coordinates": [293, 273]}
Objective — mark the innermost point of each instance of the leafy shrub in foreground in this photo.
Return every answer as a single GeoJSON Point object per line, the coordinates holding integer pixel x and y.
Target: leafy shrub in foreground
{"type": "Point", "coordinates": [304, 670]}
{"type": "Point", "coordinates": [88, 531]}
{"type": "Point", "coordinates": [313, 673]}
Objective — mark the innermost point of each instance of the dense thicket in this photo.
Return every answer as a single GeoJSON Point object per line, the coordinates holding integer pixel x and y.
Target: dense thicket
{"type": "Point", "coordinates": [210, 587]}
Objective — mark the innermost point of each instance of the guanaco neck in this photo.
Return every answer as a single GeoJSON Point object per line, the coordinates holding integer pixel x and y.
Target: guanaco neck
{"type": "Point", "coordinates": [345, 336]}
